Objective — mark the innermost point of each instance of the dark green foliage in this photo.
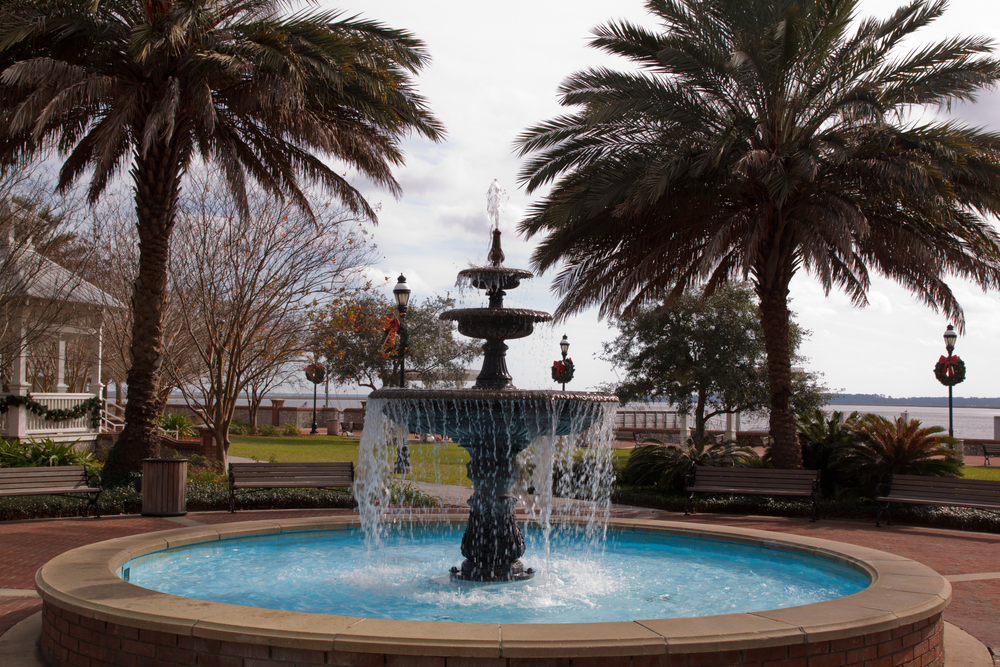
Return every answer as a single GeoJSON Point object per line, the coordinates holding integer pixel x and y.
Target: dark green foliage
{"type": "Point", "coordinates": [705, 354]}
{"type": "Point", "coordinates": [237, 427]}
{"type": "Point", "coordinates": [955, 518]}
{"type": "Point", "coordinates": [38, 453]}
{"type": "Point", "coordinates": [179, 423]}
{"type": "Point", "coordinates": [201, 497]}
{"type": "Point", "coordinates": [290, 430]}
{"type": "Point", "coordinates": [884, 446]}
{"type": "Point", "coordinates": [665, 466]}
{"type": "Point", "coordinates": [823, 439]}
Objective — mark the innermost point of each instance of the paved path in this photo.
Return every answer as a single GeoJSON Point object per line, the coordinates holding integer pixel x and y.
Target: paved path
{"type": "Point", "coordinates": [969, 560]}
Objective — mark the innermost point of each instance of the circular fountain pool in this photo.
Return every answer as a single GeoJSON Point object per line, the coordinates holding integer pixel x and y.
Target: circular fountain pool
{"type": "Point", "coordinates": [635, 575]}
{"type": "Point", "coordinates": [92, 617]}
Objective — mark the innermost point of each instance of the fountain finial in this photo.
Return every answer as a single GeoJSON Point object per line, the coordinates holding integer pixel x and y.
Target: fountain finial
{"type": "Point", "coordinates": [496, 256]}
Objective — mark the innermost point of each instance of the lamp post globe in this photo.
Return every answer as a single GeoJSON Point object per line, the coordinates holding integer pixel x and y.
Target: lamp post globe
{"type": "Point", "coordinates": [950, 338]}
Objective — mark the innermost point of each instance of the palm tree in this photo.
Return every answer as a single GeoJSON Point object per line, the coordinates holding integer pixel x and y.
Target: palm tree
{"type": "Point", "coordinates": [884, 447]}
{"type": "Point", "coordinates": [153, 85]}
{"type": "Point", "coordinates": [757, 139]}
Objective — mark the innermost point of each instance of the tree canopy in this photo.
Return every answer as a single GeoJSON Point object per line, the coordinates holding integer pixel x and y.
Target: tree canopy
{"type": "Point", "coordinates": [352, 333]}
{"type": "Point", "coordinates": [757, 139]}
{"type": "Point", "coordinates": [151, 88]}
{"type": "Point", "coordinates": [704, 355]}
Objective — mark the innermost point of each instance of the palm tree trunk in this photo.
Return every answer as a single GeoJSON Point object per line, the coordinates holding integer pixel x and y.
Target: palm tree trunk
{"type": "Point", "coordinates": [157, 181]}
{"type": "Point", "coordinates": [786, 452]}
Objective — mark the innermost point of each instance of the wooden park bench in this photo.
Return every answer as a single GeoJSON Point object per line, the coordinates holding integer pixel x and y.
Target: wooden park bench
{"type": "Point", "coordinates": [991, 449]}
{"type": "Point", "coordinates": [288, 476]}
{"type": "Point", "coordinates": [944, 491]}
{"type": "Point", "coordinates": [52, 481]}
{"type": "Point", "coordinates": [751, 481]}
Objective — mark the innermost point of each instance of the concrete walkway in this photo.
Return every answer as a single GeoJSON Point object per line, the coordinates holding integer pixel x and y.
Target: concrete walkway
{"type": "Point", "coordinates": [968, 560]}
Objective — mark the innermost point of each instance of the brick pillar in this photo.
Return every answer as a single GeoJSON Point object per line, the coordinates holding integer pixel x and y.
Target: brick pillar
{"type": "Point", "coordinates": [276, 404]}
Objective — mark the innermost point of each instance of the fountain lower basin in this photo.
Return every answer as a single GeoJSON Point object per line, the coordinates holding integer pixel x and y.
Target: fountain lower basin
{"type": "Point", "coordinates": [90, 612]}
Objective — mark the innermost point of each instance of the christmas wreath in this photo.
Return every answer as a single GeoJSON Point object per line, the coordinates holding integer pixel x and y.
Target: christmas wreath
{"type": "Point", "coordinates": [949, 371]}
{"type": "Point", "coordinates": [562, 371]}
{"type": "Point", "coordinates": [315, 372]}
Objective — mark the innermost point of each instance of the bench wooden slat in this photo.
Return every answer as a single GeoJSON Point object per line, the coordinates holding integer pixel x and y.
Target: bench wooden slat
{"type": "Point", "coordinates": [943, 491]}
{"type": "Point", "coordinates": [50, 481]}
{"type": "Point", "coordinates": [311, 475]}
{"type": "Point", "coordinates": [752, 481]}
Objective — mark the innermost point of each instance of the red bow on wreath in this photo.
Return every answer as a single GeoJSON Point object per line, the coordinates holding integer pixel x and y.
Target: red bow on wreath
{"type": "Point", "coordinates": [392, 328]}
{"type": "Point", "coordinates": [948, 365]}
{"type": "Point", "coordinates": [560, 368]}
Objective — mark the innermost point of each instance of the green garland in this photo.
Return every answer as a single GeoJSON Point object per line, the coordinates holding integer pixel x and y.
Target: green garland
{"type": "Point", "coordinates": [90, 406]}
{"type": "Point", "coordinates": [955, 365]}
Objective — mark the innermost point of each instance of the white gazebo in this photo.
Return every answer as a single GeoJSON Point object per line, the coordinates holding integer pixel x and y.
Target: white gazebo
{"type": "Point", "coordinates": [48, 303]}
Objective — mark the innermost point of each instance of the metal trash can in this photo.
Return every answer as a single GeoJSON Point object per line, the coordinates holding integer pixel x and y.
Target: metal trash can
{"type": "Point", "coordinates": [164, 487]}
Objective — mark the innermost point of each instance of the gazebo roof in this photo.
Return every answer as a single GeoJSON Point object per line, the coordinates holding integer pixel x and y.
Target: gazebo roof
{"type": "Point", "coordinates": [28, 273]}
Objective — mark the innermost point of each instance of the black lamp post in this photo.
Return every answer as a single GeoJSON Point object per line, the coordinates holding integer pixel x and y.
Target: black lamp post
{"type": "Point", "coordinates": [564, 347]}
{"type": "Point", "coordinates": [314, 430]}
{"type": "Point", "coordinates": [949, 343]}
{"type": "Point", "coordinates": [315, 373]}
{"type": "Point", "coordinates": [402, 295]}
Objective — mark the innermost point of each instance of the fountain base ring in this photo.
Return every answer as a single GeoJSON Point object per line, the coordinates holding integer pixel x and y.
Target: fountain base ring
{"type": "Point", "coordinates": [508, 573]}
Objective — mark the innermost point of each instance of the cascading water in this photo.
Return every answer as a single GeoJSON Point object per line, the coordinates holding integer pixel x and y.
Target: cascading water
{"type": "Point", "coordinates": [495, 422]}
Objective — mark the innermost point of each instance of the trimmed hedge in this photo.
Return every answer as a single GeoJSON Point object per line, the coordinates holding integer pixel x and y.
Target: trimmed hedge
{"type": "Point", "coordinates": [201, 497]}
{"type": "Point", "coordinates": [953, 518]}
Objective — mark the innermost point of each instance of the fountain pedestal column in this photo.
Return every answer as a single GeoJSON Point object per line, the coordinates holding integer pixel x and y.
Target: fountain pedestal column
{"type": "Point", "coordinates": [492, 544]}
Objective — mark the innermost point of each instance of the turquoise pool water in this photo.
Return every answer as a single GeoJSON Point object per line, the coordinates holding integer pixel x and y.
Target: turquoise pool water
{"type": "Point", "coordinates": [634, 576]}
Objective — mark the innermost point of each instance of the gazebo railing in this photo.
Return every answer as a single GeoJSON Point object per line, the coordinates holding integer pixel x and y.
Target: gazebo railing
{"type": "Point", "coordinates": [39, 426]}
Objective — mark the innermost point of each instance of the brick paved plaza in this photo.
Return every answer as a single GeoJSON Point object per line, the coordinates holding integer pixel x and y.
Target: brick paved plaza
{"type": "Point", "coordinates": [969, 560]}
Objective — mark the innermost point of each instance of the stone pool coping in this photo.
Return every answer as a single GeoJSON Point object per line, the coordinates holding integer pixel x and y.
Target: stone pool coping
{"type": "Point", "coordinates": [83, 582]}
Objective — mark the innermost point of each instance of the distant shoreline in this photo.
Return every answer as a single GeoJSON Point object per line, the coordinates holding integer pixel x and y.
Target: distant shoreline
{"type": "Point", "coordinates": [916, 401]}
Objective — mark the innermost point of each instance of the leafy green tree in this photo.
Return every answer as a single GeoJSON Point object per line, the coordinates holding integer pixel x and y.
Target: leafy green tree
{"type": "Point", "coordinates": [351, 333]}
{"type": "Point", "coordinates": [756, 139]}
{"type": "Point", "coordinates": [153, 86]}
{"type": "Point", "coordinates": [704, 355]}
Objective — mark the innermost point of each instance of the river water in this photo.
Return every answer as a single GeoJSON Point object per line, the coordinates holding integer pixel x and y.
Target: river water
{"type": "Point", "coordinates": [976, 423]}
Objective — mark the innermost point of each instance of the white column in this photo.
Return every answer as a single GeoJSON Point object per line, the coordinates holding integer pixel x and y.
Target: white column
{"type": "Point", "coordinates": [685, 430]}
{"type": "Point", "coordinates": [96, 388]}
{"type": "Point", "coordinates": [730, 430]}
{"type": "Point", "coordinates": [17, 418]}
{"type": "Point", "coordinates": [61, 385]}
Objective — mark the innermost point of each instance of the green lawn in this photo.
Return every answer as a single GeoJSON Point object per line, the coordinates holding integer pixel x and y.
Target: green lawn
{"type": "Point", "coordinates": [441, 464]}
{"type": "Point", "coordinates": [429, 462]}
{"type": "Point", "coordinates": [982, 472]}
{"type": "Point", "coordinates": [294, 449]}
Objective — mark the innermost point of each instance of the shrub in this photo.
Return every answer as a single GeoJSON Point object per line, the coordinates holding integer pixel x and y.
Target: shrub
{"type": "Point", "coordinates": [181, 424]}
{"type": "Point", "coordinates": [824, 440]}
{"type": "Point", "coordinates": [237, 427]}
{"type": "Point", "coordinates": [666, 466]}
{"type": "Point", "coordinates": [39, 453]}
{"type": "Point", "coordinates": [290, 429]}
{"type": "Point", "coordinates": [884, 446]}
{"type": "Point", "coordinates": [269, 430]}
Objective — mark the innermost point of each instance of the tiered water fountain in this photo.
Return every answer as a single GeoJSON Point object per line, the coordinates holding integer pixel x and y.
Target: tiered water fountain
{"type": "Point", "coordinates": [784, 595]}
{"type": "Point", "coordinates": [494, 421]}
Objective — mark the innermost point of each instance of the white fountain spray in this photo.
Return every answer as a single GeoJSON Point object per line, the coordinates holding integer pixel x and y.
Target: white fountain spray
{"type": "Point", "coordinates": [494, 422]}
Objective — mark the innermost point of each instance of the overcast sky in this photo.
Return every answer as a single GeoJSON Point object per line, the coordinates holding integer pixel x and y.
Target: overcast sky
{"type": "Point", "coordinates": [495, 71]}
